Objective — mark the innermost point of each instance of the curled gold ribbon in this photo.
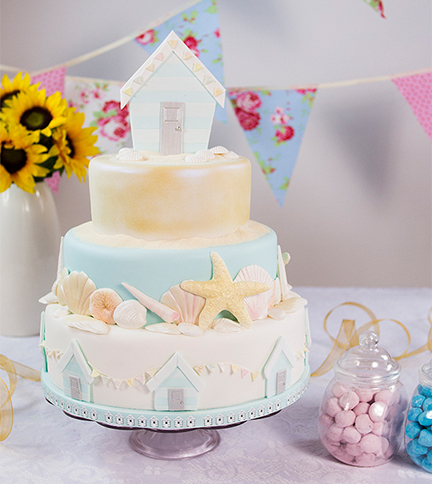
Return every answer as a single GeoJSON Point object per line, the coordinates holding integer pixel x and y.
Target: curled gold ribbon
{"type": "Point", "coordinates": [13, 370]}
{"type": "Point", "coordinates": [348, 336]}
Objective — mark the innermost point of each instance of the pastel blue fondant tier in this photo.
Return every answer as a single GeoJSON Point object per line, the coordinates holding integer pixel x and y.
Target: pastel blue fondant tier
{"type": "Point", "coordinates": [154, 271]}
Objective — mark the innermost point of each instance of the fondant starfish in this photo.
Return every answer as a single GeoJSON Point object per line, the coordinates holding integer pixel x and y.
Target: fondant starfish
{"type": "Point", "coordinates": [222, 293]}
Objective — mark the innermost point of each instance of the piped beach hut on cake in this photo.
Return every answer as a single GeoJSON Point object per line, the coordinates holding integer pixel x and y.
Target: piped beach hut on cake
{"type": "Point", "coordinates": [172, 98]}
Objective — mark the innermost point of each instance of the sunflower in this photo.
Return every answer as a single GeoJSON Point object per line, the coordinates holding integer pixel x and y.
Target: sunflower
{"type": "Point", "coordinates": [20, 159]}
{"type": "Point", "coordinates": [35, 112]}
{"type": "Point", "coordinates": [19, 84]}
{"type": "Point", "coordinates": [75, 144]}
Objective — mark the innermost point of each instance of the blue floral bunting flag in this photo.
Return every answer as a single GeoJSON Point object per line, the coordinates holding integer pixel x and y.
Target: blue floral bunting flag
{"type": "Point", "coordinates": [274, 123]}
{"type": "Point", "coordinates": [198, 27]}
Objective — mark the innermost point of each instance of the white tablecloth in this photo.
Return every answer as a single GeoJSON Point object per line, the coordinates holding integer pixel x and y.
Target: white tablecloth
{"type": "Point", "coordinates": [45, 446]}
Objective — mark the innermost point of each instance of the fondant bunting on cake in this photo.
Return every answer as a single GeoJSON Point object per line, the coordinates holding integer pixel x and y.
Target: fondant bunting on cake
{"type": "Point", "coordinates": [198, 26]}
{"type": "Point", "coordinates": [417, 90]}
{"type": "Point", "coordinates": [377, 5]}
{"type": "Point", "coordinates": [274, 123]}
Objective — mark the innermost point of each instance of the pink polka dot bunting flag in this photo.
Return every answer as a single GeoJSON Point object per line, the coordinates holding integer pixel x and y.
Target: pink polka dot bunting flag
{"type": "Point", "coordinates": [51, 81]}
{"type": "Point", "coordinates": [417, 90]}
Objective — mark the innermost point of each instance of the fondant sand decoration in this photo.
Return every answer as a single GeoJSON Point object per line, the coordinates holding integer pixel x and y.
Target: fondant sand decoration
{"type": "Point", "coordinates": [103, 303]}
{"type": "Point", "coordinates": [130, 314]}
{"type": "Point", "coordinates": [222, 293]}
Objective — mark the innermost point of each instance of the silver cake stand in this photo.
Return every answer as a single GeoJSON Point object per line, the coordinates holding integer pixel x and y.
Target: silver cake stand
{"type": "Point", "coordinates": [173, 435]}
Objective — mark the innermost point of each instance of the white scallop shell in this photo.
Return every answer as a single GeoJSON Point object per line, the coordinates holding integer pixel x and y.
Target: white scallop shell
{"type": "Point", "coordinates": [285, 287]}
{"type": "Point", "coordinates": [292, 304]}
{"type": "Point", "coordinates": [165, 328]}
{"type": "Point", "coordinates": [205, 154]}
{"type": "Point", "coordinates": [86, 323]}
{"type": "Point", "coordinates": [231, 155]}
{"type": "Point", "coordinates": [103, 303]}
{"type": "Point", "coordinates": [49, 298]}
{"type": "Point", "coordinates": [188, 305]}
{"type": "Point", "coordinates": [74, 291]}
{"type": "Point", "coordinates": [130, 314]}
{"type": "Point", "coordinates": [257, 306]}
{"type": "Point", "coordinates": [219, 150]}
{"type": "Point", "coordinates": [61, 311]}
{"type": "Point", "coordinates": [194, 159]}
{"type": "Point", "coordinates": [128, 154]}
{"type": "Point", "coordinates": [277, 313]}
{"type": "Point", "coordinates": [190, 329]}
{"type": "Point", "coordinates": [224, 325]}
{"type": "Point", "coordinates": [166, 313]}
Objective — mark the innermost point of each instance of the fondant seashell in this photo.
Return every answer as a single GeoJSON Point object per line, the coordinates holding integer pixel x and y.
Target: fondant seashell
{"type": "Point", "coordinates": [128, 154]}
{"type": "Point", "coordinates": [257, 305]}
{"type": "Point", "coordinates": [189, 329]}
{"type": "Point", "coordinates": [86, 323]}
{"type": "Point", "coordinates": [61, 272]}
{"type": "Point", "coordinates": [224, 325]}
{"type": "Point", "coordinates": [130, 314]}
{"type": "Point", "coordinates": [166, 313]}
{"type": "Point", "coordinates": [277, 313]}
{"type": "Point", "coordinates": [231, 155]}
{"type": "Point", "coordinates": [165, 328]}
{"type": "Point", "coordinates": [285, 287]}
{"type": "Point", "coordinates": [277, 296]}
{"type": "Point", "coordinates": [49, 298]}
{"type": "Point", "coordinates": [74, 291]}
{"type": "Point", "coordinates": [219, 150]}
{"type": "Point", "coordinates": [61, 311]}
{"type": "Point", "coordinates": [205, 154]}
{"type": "Point", "coordinates": [194, 159]}
{"type": "Point", "coordinates": [103, 303]}
{"type": "Point", "coordinates": [292, 304]}
{"type": "Point", "coordinates": [188, 305]}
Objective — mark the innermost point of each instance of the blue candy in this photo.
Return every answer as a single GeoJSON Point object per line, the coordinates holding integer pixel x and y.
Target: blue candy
{"type": "Point", "coordinates": [417, 400]}
{"type": "Point", "coordinates": [417, 459]}
{"type": "Point", "coordinates": [427, 404]}
{"type": "Point", "coordinates": [414, 413]}
{"type": "Point", "coordinates": [426, 391]}
{"type": "Point", "coordinates": [427, 466]}
{"type": "Point", "coordinates": [414, 448]}
{"type": "Point", "coordinates": [425, 438]}
{"type": "Point", "coordinates": [412, 430]}
{"type": "Point", "coordinates": [425, 419]}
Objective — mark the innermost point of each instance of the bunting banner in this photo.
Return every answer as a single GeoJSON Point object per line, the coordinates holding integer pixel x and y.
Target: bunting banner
{"type": "Point", "coordinates": [377, 5]}
{"type": "Point", "coordinates": [274, 123]}
{"type": "Point", "coordinates": [198, 26]}
{"type": "Point", "coordinates": [52, 80]}
{"type": "Point", "coordinates": [100, 103]}
{"type": "Point", "coordinates": [417, 90]}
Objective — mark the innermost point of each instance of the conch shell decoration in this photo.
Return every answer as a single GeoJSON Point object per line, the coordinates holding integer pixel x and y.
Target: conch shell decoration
{"type": "Point", "coordinates": [62, 272]}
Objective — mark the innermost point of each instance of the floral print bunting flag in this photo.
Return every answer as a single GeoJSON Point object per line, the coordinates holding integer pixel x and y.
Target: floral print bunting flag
{"type": "Point", "coordinates": [100, 102]}
{"type": "Point", "coordinates": [377, 5]}
{"type": "Point", "coordinates": [198, 27]}
{"type": "Point", "coordinates": [274, 123]}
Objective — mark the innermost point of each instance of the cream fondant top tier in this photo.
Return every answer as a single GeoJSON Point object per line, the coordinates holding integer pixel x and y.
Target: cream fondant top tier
{"type": "Point", "coordinates": [169, 197]}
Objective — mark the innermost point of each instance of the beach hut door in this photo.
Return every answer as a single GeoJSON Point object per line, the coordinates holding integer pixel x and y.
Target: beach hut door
{"type": "Point", "coordinates": [75, 387]}
{"type": "Point", "coordinates": [176, 399]}
{"type": "Point", "coordinates": [281, 381]}
{"type": "Point", "coordinates": [171, 132]}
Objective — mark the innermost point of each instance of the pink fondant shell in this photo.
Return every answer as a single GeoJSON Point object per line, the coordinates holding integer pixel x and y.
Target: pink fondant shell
{"type": "Point", "coordinates": [186, 304]}
{"type": "Point", "coordinates": [103, 303]}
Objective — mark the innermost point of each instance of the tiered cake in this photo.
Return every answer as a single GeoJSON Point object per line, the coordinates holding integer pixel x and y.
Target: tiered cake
{"type": "Point", "coordinates": [171, 308]}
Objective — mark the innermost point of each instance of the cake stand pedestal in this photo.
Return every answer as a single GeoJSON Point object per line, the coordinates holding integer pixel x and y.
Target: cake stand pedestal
{"type": "Point", "coordinates": [174, 445]}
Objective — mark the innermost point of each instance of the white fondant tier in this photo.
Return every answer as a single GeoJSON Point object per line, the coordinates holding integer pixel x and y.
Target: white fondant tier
{"type": "Point", "coordinates": [165, 197]}
{"type": "Point", "coordinates": [228, 368]}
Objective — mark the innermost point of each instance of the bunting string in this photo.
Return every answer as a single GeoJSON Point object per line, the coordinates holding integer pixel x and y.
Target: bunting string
{"type": "Point", "coordinates": [348, 336]}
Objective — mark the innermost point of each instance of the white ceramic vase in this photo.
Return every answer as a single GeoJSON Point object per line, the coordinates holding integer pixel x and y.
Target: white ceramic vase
{"type": "Point", "coordinates": [29, 244]}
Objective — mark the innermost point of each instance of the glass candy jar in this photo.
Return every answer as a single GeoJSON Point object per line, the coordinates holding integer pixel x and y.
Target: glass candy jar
{"type": "Point", "coordinates": [362, 412]}
{"type": "Point", "coordinates": [418, 430]}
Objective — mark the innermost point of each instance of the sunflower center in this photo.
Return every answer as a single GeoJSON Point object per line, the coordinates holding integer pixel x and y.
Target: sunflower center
{"type": "Point", "coordinates": [70, 146]}
{"type": "Point", "coordinates": [12, 159]}
{"type": "Point", "coordinates": [6, 97]}
{"type": "Point", "coordinates": [36, 118]}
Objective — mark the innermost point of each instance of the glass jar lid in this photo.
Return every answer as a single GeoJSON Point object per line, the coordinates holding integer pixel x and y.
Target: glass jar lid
{"type": "Point", "coordinates": [425, 374]}
{"type": "Point", "coordinates": [368, 363]}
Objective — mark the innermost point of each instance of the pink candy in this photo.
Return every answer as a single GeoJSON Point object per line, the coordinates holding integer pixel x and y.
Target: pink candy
{"type": "Point", "coordinates": [354, 424]}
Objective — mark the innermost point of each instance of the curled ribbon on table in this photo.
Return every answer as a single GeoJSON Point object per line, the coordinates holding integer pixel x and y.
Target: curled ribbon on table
{"type": "Point", "coordinates": [348, 336]}
{"type": "Point", "coordinates": [13, 370]}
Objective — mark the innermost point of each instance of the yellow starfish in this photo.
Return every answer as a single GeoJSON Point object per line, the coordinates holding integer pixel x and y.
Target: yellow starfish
{"type": "Point", "coordinates": [222, 293]}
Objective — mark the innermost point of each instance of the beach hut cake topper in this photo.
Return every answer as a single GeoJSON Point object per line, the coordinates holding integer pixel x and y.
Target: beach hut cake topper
{"type": "Point", "coordinates": [172, 98]}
